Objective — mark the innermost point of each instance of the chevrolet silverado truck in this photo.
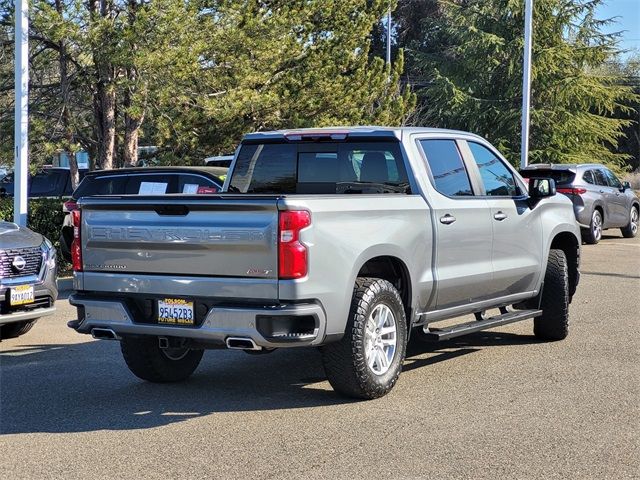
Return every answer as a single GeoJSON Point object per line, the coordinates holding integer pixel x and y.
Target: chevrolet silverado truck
{"type": "Point", "coordinates": [348, 239]}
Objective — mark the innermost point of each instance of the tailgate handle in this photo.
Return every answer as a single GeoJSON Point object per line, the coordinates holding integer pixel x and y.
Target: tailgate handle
{"type": "Point", "coordinates": [172, 210]}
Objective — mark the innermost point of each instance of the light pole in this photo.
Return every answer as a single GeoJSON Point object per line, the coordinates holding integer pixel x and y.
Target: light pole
{"type": "Point", "coordinates": [526, 82]}
{"type": "Point", "coordinates": [389, 36]}
{"type": "Point", "coordinates": [21, 139]}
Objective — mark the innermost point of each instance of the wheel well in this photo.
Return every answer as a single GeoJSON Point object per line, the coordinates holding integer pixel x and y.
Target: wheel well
{"type": "Point", "coordinates": [395, 272]}
{"type": "Point", "coordinates": [568, 243]}
{"type": "Point", "coordinates": [601, 210]}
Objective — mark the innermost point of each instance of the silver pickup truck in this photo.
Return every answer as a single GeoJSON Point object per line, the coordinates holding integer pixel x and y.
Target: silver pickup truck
{"type": "Point", "coordinates": [351, 240]}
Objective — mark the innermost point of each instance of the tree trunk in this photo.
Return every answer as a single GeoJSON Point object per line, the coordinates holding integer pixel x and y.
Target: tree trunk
{"type": "Point", "coordinates": [132, 121]}
{"type": "Point", "coordinates": [66, 113]}
{"type": "Point", "coordinates": [104, 102]}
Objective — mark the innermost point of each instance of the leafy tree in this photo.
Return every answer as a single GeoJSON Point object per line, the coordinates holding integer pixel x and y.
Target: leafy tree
{"type": "Point", "coordinates": [475, 80]}
{"type": "Point", "coordinates": [193, 77]}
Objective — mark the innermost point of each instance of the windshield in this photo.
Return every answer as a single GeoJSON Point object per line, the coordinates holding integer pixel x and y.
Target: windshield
{"type": "Point", "coordinates": [320, 168]}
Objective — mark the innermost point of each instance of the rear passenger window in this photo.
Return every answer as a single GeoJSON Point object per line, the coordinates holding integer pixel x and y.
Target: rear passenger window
{"type": "Point", "coordinates": [496, 177]}
{"type": "Point", "coordinates": [588, 177]}
{"type": "Point", "coordinates": [600, 178]}
{"type": "Point", "coordinates": [448, 171]}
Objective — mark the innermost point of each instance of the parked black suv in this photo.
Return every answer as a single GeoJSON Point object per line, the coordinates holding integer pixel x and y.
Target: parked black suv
{"type": "Point", "coordinates": [49, 182]}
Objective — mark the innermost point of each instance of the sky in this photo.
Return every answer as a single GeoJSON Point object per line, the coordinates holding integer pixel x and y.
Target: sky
{"type": "Point", "coordinates": [628, 12]}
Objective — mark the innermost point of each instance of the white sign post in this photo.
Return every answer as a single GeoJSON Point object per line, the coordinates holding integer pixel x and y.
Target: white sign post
{"type": "Point", "coordinates": [526, 82]}
{"type": "Point", "coordinates": [21, 139]}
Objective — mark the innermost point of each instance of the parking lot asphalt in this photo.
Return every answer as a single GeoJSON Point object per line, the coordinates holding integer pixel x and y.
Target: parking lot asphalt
{"type": "Point", "coordinates": [497, 404]}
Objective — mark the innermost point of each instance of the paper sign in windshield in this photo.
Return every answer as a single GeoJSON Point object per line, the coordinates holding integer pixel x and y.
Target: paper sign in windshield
{"type": "Point", "coordinates": [152, 188]}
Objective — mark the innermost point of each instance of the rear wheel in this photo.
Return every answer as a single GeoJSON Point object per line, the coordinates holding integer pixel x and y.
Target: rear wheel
{"type": "Point", "coordinates": [148, 361]}
{"type": "Point", "coordinates": [14, 330]}
{"type": "Point", "coordinates": [367, 361]}
{"type": "Point", "coordinates": [631, 229]}
{"type": "Point", "coordinates": [553, 324]}
{"type": "Point", "coordinates": [594, 233]}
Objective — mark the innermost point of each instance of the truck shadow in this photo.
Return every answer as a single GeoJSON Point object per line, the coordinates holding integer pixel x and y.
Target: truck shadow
{"type": "Point", "coordinates": [87, 387]}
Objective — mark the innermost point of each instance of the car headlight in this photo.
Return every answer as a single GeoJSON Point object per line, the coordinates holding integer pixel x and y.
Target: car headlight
{"type": "Point", "coordinates": [49, 253]}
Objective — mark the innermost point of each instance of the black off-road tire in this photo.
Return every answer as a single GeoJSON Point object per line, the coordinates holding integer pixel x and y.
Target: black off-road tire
{"type": "Point", "coordinates": [148, 361]}
{"type": "Point", "coordinates": [16, 329]}
{"type": "Point", "coordinates": [553, 324]}
{"type": "Point", "coordinates": [591, 235]}
{"type": "Point", "coordinates": [345, 363]}
{"type": "Point", "coordinates": [631, 229]}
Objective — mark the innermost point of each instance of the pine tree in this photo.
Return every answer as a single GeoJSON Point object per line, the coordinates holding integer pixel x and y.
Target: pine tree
{"type": "Point", "coordinates": [192, 77]}
{"type": "Point", "coordinates": [476, 79]}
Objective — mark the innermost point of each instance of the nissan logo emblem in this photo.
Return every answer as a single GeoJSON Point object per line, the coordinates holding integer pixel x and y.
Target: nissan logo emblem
{"type": "Point", "coordinates": [19, 263]}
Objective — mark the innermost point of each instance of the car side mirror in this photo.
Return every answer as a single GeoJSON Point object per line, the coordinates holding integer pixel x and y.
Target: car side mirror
{"type": "Point", "coordinates": [541, 188]}
{"type": "Point", "coordinates": [625, 186]}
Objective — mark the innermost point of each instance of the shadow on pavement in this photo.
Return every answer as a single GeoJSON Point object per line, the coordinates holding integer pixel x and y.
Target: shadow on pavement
{"type": "Point", "coordinates": [86, 386]}
{"type": "Point", "coordinates": [618, 275]}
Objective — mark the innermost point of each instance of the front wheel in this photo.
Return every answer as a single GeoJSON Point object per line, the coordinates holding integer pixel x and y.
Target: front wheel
{"type": "Point", "coordinates": [16, 329]}
{"type": "Point", "coordinates": [631, 229]}
{"type": "Point", "coordinates": [553, 324]}
{"type": "Point", "coordinates": [148, 361]}
{"type": "Point", "coordinates": [367, 361]}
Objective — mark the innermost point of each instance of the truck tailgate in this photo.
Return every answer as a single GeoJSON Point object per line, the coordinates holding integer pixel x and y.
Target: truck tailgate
{"type": "Point", "coordinates": [225, 236]}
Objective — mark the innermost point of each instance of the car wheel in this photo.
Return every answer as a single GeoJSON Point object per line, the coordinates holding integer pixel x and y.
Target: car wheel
{"type": "Point", "coordinates": [631, 229]}
{"type": "Point", "coordinates": [594, 233]}
{"type": "Point", "coordinates": [14, 330]}
{"type": "Point", "coordinates": [553, 324]}
{"type": "Point", "coordinates": [148, 361]}
{"type": "Point", "coordinates": [367, 361]}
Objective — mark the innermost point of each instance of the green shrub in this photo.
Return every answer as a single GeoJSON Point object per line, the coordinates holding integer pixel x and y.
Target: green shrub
{"type": "Point", "coordinates": [44, 216]}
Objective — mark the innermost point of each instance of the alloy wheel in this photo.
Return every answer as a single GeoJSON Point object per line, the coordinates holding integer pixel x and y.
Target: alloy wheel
{"type": "Point", "coordinates": [380, 340]}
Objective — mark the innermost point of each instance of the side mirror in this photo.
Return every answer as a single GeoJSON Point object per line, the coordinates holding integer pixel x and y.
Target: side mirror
{"type": "Point", "coordinates": [625, 186]}
{"type": "Point", "coordinates": [541, 188]}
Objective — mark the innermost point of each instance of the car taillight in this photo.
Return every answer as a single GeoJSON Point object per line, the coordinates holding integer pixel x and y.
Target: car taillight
{"type": "Point", "coordinates": [69, 206]}
{"type": "Point", "coordinates": [572, 191]}
{"type": "Point", "coordinates": [76, 250]}
{"type": "Point", "coordinates": [292, 255]}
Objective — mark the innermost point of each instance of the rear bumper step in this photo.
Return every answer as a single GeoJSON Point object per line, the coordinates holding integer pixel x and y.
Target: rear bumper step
{"type": "Point", "coordinates": [437, 334]}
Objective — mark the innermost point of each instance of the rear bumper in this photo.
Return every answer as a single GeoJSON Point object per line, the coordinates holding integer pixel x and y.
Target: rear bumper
{"type": "Point", "coordinates": [218, 324]}
{"type": "Point", "coordinates": [583, 215]}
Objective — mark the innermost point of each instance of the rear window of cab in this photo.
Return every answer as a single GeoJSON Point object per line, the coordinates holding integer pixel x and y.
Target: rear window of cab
{"type": "Point", "coordinates": [320, 168]}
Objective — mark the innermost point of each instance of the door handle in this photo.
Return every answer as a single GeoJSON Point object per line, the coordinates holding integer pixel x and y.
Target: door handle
{"type": "Point", "coordinates": [447, 219]}
{"type": "Point", "coordinates": [601, 191]}
{"type": "Point", "coordinates": [500, 216]}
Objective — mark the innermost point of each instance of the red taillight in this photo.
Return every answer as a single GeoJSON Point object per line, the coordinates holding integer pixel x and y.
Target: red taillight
{"type": "Point", "coordinates": [76, 251]}
{"type": "Point", "coordinates": [292, 255]}
{"type": "Point", "coordinates": [572, 191]}
{"type": "Point", "coordinates": [69, 206]}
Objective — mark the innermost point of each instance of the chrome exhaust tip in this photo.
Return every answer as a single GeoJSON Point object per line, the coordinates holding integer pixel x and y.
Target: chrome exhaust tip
{"type": "Point", "coordinates": [104, 334]}
{"type": "Point", "coordinates": [242, 343]}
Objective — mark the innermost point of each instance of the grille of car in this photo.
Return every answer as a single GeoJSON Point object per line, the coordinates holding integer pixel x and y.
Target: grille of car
{"type": "Point", "coordinates": [32, 257]}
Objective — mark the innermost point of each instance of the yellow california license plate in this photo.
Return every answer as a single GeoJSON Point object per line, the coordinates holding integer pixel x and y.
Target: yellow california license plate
{"type": "Point", "coordinates": [21, 295]}
{"type": "Point", "coordinates": [175, 311]}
